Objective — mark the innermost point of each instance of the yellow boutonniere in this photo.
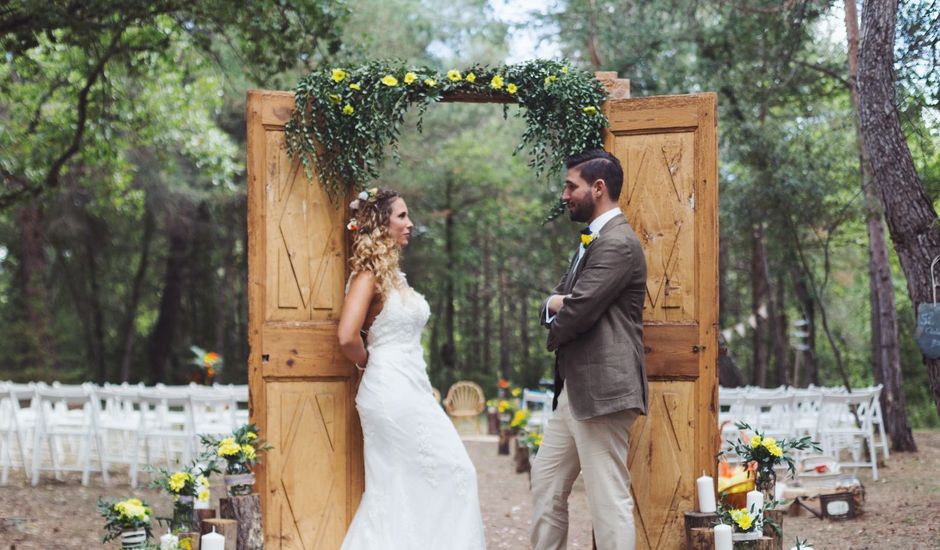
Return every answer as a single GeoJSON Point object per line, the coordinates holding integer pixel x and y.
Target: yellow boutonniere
{"type": "Point", "coordinates": [587, 239]}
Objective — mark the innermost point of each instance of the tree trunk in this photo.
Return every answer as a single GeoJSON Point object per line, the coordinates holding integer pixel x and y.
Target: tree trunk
{"type": "Point", "coordinates": [449, 348]}
{"type": "Point", "coordinates": [806, 359]}
{"type": "Point", "coordinates": [163, 337]}
{"type": "Point", "coordinates": [504, 328]}
{"type": "Point", "coordinates": [759, 294]}
{"type": "Point", "coordinates": [35, 348]}
{"type": "Point", "coordinates": [777, 315]}
{"type": "Point", "coordinates": [886, 354]}
{"type": "Point", "coordinates": [94, 303]}
{"type": "Point", "coordinates": [487, 303]}
{"type": "Point", "coordinates": [127, 328]}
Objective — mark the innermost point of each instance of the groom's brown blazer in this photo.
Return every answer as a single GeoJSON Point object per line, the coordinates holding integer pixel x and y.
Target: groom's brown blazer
{"type": "Point", "coordinates": [597, 336]}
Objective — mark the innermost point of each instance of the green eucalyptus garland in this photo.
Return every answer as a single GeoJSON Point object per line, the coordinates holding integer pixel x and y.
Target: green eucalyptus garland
{"type": "Point", "coordinates": [345, 118]}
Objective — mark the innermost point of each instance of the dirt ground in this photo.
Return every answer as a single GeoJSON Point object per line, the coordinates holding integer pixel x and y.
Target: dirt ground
{"type": "Point", "coordinates": [902, 508]}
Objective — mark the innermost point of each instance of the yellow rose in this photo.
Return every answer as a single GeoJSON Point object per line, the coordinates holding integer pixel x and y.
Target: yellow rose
{"type": "Point", "coordinates": [496, 82]}
{"type": "Point", "coordinates": [756, 441]}
{"type": "Point", "coordinates": [590, 109]}
{"type": "Point", "coordinates": [178, 480]}
{"type": "Point", "coordinates": [228, 447]}
{"type": "Point", "coordinates": [742, 518]}
{"type": "Point", "coordinates": [511, 88]}
{"type": "Point", "coordinates": [516, 392]}
{"type": "Point", "coordinates": [334, 98]}
{"type": "Point", "coordinates": [453, 75]}
{"type": "Point", "coordinates": [410, 77]}
{"type": "Point", "coordinates": [348, 109]}
{"type": "Point", "coordinates": [550, 79]}
{"type": "Point", "coordinates": [772, 447]}
{"type": "Point", "coordinates": [204, 495]}
{"type": "Point", "coordinates": [430, 82]}
{"type": "Point", "coordinates": [338, 75]}
{"type": "Point", "coordinates": [249, 452]}
{"type": "Point", "coordinates": [389, 80]}
{"type": "Point", "coordinates": [352, 86]}
{"type": "Point", "coordinates": [471, 78]}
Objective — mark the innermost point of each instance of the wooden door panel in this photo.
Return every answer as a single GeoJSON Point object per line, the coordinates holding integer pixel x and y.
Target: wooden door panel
{"type": "Point", "coordinates": [660, 479]}
{"type": "Point", "coordinates": [306, 472]}
{"type": "Point", "coordinates": [302, 389]}
{"type": "Point", "coordinates": [667, 146]}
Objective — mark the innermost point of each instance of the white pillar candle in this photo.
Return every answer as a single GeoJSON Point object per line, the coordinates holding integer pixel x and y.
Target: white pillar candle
{"type": "Point", "coordinates": [723, 537]}
{"type": "Point", "coordinates": [755, 502]}
{"type": "Point", "coordinates": [212, 541]}
{"type": "Point", "coordinates": [779, 488]}
{"type": "Point", "coordinates": [706, 494]}
{"type": "Point", "coordinates": [169, 541]}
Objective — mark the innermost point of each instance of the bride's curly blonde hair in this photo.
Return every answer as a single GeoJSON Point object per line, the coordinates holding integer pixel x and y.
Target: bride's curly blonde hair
{"type": "Point", "coordinates": [374, 250]}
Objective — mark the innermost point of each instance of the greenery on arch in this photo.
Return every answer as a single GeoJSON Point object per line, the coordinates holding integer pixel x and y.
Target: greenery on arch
{"type": "Point", "coordinates": [344, 118]}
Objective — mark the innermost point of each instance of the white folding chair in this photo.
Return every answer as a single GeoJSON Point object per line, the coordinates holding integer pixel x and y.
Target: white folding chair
{"type": "Point", "coordinates": [11, 433]}
{"type": "Point", "coordinates": [877, 418]}
{"type": "Point", "coordinates": [166, 423]}
{"type": "Point", "coordinates": [539, 405]}
{"type": "Point", "coordinates": [838, 428]}
{"type": "Point", "coordinates": [68, 425]}
{"type": "Point", "coordinates": [214, 411]}
{"type": "Point", "coordinates": [119, 424]}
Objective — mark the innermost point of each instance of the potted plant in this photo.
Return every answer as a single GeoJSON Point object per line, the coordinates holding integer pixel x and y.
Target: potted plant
{"type": "Point", "coordinates": [128, 520]}
{"type": "Point", "coordinates": [186, 486]}
{"type": "Point", "coordinates": [241, 452]}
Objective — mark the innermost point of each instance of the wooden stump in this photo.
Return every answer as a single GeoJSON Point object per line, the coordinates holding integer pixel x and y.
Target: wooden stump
{"type": "Point", "coordinates": [203, 514]}
{"type": "Point", "coordinates": [192, 537]}
{"type": "Point", "coordinates": [703, 538]}
{"type": "Point", "coordinates": [775, 516]}
{"type": "Point", "coordinates": [505, 436]}
{"type": "Point", "coordinates": [522, 459]}
{"type": "Point", "coordinates": [695, 520]}
{"type": "Point", "coordinates": [247, 511]}
{"type": "Point", "coordinates": [228, 528]}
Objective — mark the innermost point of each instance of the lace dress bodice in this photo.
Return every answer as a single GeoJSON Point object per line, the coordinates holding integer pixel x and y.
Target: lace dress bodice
{"type": "Point", "coordinates": [401, 321]}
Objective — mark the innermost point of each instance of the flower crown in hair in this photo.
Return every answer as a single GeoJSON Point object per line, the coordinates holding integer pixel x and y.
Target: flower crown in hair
{"type": "Point", "coordinates": [361, 200]}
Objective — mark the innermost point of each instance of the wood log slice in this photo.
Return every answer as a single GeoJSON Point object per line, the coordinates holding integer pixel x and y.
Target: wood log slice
{"type": "Point", "coordinates": [694, 520]}
{"type": "Point", "coordinates": [247, 511]}
{"type": "Point", "coordinates": [228, 528]}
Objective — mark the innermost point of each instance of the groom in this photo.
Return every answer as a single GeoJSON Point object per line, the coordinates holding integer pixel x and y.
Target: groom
{"type": "Point", "coordinates": [595, 328]}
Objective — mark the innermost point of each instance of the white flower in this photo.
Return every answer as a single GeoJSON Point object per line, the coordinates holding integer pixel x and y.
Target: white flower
{"type": "Point", "coordinates": [363, 195]}
{"type": "Point", "coordinates": [354, 205]}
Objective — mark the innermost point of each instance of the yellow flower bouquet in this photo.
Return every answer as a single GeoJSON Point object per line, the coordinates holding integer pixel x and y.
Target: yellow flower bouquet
{"type": "Point", "coordinates": [241, 451]}
{"type": "Point", "coordinates": [126, 518]}
{"type": "Point", "coordinates": [762, 454]}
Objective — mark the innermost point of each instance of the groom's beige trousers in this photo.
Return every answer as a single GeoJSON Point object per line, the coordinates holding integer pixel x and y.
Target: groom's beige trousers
{"type": "Point", "coordinates": [598, 448]}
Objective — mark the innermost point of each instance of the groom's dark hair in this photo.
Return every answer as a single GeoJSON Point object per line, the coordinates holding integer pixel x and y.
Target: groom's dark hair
{"type": "Point", "coordinates": [598, 164]}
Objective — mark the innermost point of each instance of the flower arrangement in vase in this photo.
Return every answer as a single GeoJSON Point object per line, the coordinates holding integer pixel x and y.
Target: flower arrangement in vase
{"type": "Point", "coordinates": [762, 454]}
{"type": "Point", "coordinates": [128, 520]}
{"type": "Point", "coordinates": [241, 452]}
{"type": "Point", "coordinates": [185, 486]}
{"type": "Point", "coordinates": [745, 524]}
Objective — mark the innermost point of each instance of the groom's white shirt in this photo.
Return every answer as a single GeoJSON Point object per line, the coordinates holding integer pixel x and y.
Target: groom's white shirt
{"type": "Point", "coordinates": [595, 227]}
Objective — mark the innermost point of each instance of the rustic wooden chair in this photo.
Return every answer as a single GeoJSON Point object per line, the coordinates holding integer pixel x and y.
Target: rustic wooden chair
{"type": "Point", "coordinates": [465, 400]}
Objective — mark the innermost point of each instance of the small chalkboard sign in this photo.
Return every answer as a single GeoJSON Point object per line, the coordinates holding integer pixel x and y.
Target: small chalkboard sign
{"type": "Point", "coordinates": [928, 330]}
{"type": "Point", "coordinates": [928, 321]}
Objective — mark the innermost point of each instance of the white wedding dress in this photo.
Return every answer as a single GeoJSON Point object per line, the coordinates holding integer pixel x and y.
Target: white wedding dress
{"type": "Point", "coordinates": [421, 488]}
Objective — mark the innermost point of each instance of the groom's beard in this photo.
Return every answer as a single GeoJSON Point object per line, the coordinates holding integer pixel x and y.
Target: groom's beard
{"type": "Point", "coordinates": [582, 211]}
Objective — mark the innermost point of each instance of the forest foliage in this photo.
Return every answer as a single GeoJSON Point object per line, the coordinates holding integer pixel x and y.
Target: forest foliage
{"type": "Point", "coordinates": [122, 145]}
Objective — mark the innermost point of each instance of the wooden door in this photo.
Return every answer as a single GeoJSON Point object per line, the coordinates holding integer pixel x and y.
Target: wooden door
{"type": "Point", "coordinates": [667, 146]}
{"type": "Point", "coordinates": [302, 389]}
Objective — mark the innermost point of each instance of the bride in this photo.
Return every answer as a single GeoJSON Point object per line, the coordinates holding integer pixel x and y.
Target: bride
{"type": "Point", "coordinates": [421, 488]}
